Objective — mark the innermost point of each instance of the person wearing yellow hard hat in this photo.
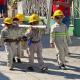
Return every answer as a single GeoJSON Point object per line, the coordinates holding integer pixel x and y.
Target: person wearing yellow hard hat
{"type": "Point", "coordinates": [21, 18]}
{"type": "Point", "coordinates": [58, 37]}
{"type": "Point", "coordinates": [35, 45]}
{"type": "Point", "coordinates": [24, 46]}
{"type": "Point", "coordinates": [22, 43]}
{"type": "Point", "coordinates": [8, 21]}
{"type": "Point", "coordinates": [63, 5]}
{"type": "Point", "coordinates": [58, 13]}
{"type": "Point", "coordinates": [19, 33]}
{"type": "Point", "coordinates": [8, 36]}
{"type": "Point", "coordinates": [34, 18]}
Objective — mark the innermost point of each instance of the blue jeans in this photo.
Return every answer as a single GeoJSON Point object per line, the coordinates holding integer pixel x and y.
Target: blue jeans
{"type": "Point", "coordinates": [66, 21]}
{"type": "Point", "coordinates": [2, 9]}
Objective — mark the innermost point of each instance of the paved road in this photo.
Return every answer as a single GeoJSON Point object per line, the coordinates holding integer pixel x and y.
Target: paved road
{"type": "Point", "coordinates": [21, 72]}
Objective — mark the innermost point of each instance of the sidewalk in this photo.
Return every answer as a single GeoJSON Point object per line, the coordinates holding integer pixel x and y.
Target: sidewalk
{"type": "Point", "coordinates": [21, 72]}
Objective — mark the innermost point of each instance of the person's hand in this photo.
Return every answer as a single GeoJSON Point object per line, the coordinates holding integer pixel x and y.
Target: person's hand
{"type": "Point", "coordinates": [24, 38]}
{"type": "Point", "coordinates": [28, 30]}
{"type": "Point", "coordinates": [52, 45]}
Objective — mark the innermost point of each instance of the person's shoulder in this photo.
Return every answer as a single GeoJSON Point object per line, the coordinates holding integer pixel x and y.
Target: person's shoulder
{"type": "Point", "coordinates": [54, 25]}
{"type": "Point", "coordinates": [5, 29]}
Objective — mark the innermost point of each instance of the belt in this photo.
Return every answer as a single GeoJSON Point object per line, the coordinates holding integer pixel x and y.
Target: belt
{"type": "Point", "coordinates": [35, 41]}
{"type": "Point", "coordinates": [11, 40]}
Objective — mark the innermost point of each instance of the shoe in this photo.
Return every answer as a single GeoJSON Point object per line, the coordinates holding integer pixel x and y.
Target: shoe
{"type": "Point", "coordinates": [14, 60]}
{"type": "Point", "coordinates": [69, 53]}
{"type": "Point", "coordinates": [44, 69]}
{"type": "Point", "coordinates": [11, 68]}
{"type": "Point", "coordinates": [18, 60]}
{"type": "Point", "coordinates": [1, 16]}
{"type": "Point", "coordinates": [62, 67]}
{"type": "Point", "coordinates": [30, 68]}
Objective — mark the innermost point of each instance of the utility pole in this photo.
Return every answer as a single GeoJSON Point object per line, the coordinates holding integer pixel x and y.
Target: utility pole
{"type": "Point", "coordinates": [49, 2]}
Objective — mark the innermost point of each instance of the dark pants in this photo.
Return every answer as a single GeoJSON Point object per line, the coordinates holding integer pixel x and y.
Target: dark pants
{"type": "Point", "coordinates": [3, 10]}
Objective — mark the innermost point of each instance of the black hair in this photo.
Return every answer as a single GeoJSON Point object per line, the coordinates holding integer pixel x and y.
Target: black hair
{"type": "Point", "coordinates": [34, 23]}
{"type": "Point", "coordinates": [7, 24]}
{"type": "Point", "coordinates": [15, 19]}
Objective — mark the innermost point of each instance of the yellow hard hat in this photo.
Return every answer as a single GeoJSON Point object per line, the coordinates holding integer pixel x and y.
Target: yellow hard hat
{"type": "Point", "coordinates": [58, 13]}
{"type": "Point", "coordinates": [8, 21]}
{"type": "Point", "coordinates": [33, 18]}
{"type": "Point", "coordinates": [21, 17]}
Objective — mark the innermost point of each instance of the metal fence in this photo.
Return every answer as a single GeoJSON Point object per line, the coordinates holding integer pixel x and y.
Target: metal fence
{"type": "Point", "coordinates": [36, 6]}
{"type": "Point", "coordinates": [76, 8]}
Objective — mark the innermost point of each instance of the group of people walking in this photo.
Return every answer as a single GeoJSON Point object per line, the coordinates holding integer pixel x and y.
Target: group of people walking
{"type": "Point", "coordinates": [17, 39]}
{"type": "Point", "coordinates": [14, 38]}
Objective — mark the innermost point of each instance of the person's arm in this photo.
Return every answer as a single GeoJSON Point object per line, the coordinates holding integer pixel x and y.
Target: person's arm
{"type": "Point", "coordinates": [52, 37]}
{"type": "Point", "coordinates": [28, 33]}
{"type": "Point", "coordinates": [3, 37]}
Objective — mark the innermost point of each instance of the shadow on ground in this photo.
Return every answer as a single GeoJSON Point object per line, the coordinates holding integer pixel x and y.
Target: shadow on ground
{"type": "Point", "coordinates": [75, 55]}
{"type": "Point", "coordinates": [64, 74]}
{"type": "Point", "coordinates": [75, 41]}
{"type": "Point", "coordinates": [3, 63]}
{"type": "Point", "coordinates": [2, 48]}
{"type": "Point", "coordinates": [3, 77]}
{"type": "Point", "coordinates": [54, 70]}
{"type": "Point", "coordinates": [21, 66]}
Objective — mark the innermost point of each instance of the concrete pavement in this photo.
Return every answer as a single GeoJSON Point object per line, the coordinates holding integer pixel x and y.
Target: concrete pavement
{"type": "Point", "coordinates": [21, 73]}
